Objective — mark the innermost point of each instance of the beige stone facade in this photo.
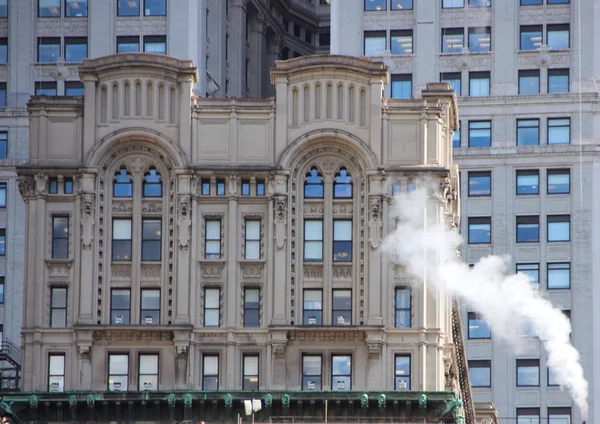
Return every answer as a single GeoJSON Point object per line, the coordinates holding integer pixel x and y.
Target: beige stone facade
{"type": "Point", "coordinates": [227, 241]}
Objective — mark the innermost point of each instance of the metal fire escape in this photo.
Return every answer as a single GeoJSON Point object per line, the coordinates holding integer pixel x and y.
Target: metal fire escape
{"type": "Point", "coordinates": [10, 366]}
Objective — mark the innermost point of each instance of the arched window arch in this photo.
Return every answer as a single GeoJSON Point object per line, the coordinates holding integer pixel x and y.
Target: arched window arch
{"type": "Point", "coordinates": [313, 184]}
{"type": "Point", "coordinates": [342, 187]}
{"type": "Point", "coordinates": [152, 185]}
{"type": "Point", "coordinates": [122, 183]}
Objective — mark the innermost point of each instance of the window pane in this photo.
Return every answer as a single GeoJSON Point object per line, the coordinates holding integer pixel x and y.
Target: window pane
{"type": "Point", "coordinates": [531, 37]}
{"type": "Point", "coordinates": [49, 8]}
{"type": "Point", "coordinates": [211, 365]}
{"type": "Point", "coordinates": [313, 230]}
{"type": "Point", "coordinates": [454, 79]}
{"type": "Point", "coordinates": [342, 230]}
{"type": "Point", "coordinates": [118, 364]}
{"type": "Point", "coordinates": [313, 250]}
{"type": "Point", "coordinates": [122, 229]}
{"type": "Point", "coordinates": [401, 42]}
{"type": "Point", "coordinates": [213, 230]}
{"type": "Point", "coordinates": [75, 49]}
{"type": "Point", "coordinates": [480, 40]}
{"type": "Point", "coordinates": [402, 373]}
{"type": "Point", "coordinates": [59, 298]}
{"type": "Point", "coordinates": [558, 183]}
{"type": "Point", "coordinates": [57, 365]}
{"type": "Point", "coordinates": [211, 298]}
{"type": "Point", "coordinates": [401, 88]}
{"type": "Point", "coordinates": [528, 132]}
{"type": "Point", "coordinates": [150, 299]}
{"type": "Point", "coordinates": [559, 231]}
{"type": "Point", "coordinates": [532, 271]}
{"type": "Point", "coordinates": [559, 276]}
{"type": "Point", "coordinates": [559, 131]}
{"type": "Point", "coordinates": [252, 250]}
{"type": "Point", "coordinates": [452, 41]}
{"type": "Point", "coordinates": [155, 7]}
{"type": "Point", "coordinates": [375, 4]}
{"type": "Point", "coordinates": [155, 44]}
{"type": "Point", "coordinates": [401, 5]}
{"type": "Point", "coordinates": [480, 184]}
{"type": "Point", "coordinates": [479, 86]}
{"type": "Point", "coordinates": [528, 376]}
{"type": "Point", "coordinates": [527, 233]}
{"type": "Point", "coordinates": [148, 364]}
{"type": "Point", "coordinates": [452, 3]}
{"type": "Point", "coordinates": [529, 82]}
{"type": "Point", "coordinates": [478, 327]}
{"type": "Point", "coordinates": [558, 81]}
{"type": "Point", "coordinates": [76, 8]}
{"type": "Point", "coordinates": [151, 229]}
{"type": "Point", "coordinates": [480, 134]}
{"type": "Point", "coordinates": [251, 365]}
{"type": "Point", "coordinates": [374, 45]}
{"type": "Point", "coordinates": [128, 44]}
{"type": "Point", "coordinates": [128, 7]}
{"type": "Point", "coordinates": [558, 38]}
{"type": "Point", "coordinates": [48, 50]}
{"type": "Point", "coordinates": [252, 230]}
{"type": "Point", "coordinates": [120, 299]}
{"type": "Point", "coordinates": [480, 376]}
{"type": "Point", "coordinates": [528, 184]}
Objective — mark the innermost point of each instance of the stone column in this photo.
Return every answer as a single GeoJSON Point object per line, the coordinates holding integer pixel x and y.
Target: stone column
{"type": "Point", "coordinates": [274, 48]}
{"type": "Point", "coordinates": [374, 312]}
{"type": "Point", "coordinates": [184, 232]}
{"type": "Point", "coordinates": [256, 57]}
{"type": "Point", "coordinates": [86, 269]}
{"type": "Point", "coordinates": [237, 48]}
{"type": "Point", "coordinates": [280, 251]}
{"type": "Point", "coordinates": [233, 232]}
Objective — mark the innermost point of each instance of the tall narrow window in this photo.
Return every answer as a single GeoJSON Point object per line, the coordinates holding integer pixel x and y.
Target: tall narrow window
{"type": "Point", "coordinates": [260, 187]}
{"type": "Point", "coordinates": [161, 102]}
{"type": "Point", "coordinates": [363, 108]}
{"type": "Point", "coordinates": [120, 306]}
{"type": "Point", "coordinates": [68, 185]}
{"type": "Point", "coordinates": [115, 101]}
{"type": "Point", "coordinates": [172, 106]}
{"type": "Point", "coordinates": [149, 99]}
{"type": "Point", "coordinates": [150, 307]}
{"type": "Point", "coordinates": [250, 378]}
{"type": "Point", "coordinates": [342, 240]}
{"type": "Point", "coordinates": [313, 185]}
{"type": "Point", "coordinates": [148, 372]}
{"type": "Point", "coordinates": [351, 104]}
{"type": "Point", "coordinates": [295, 107]}
{"type": "Point", "coordinates": [152, 185]}
{"type": "Point", "coordinates": [402, 372]}
{"type": "Point", "coordinates": [58, 307]}
{"type": "Point", "coordinates": [342, 307]}
{"type": "Point", "coordinates": [138, 98]}
{"type": "Point", "coordinates": [318, 101]}
{"type": "Point", "coordinates": [56, 372]}
{"type": "Point", "coordinates": [245, 187]}
{"type": "Point", "coordinates": [252, 240]}
{"type": "Point", "coordinates": [121, 240]}
{"type": "Point", "coordinates": [403, 308]}
{"type": "Point", "coordinates": [1, 290]}
{"type": "Point", "coordinates": [126, 99]}
{"type": "Point", "coordinates": [212, 307]}
{"type": "Point", "coordinates": [60, 237]}
{"type": "Point", "coordinates": [118, 372]}
{"type": "Point", "coordinates": [329, 102]}
{"type": "Point", "coordinates": [251, 307]}
{"type": "Point", "coordinates": [122, 184]}
{"type": "Point", "coordinates": [313, 240]}
{"type": "Point", "coordinates": [210, 372]}
{"type": "Point", "coordinates": [3, 141]}
{"type": "Point", "coordinates": [340, 101]}
{"type": "Point", "coordinates": [306, 105]}
{"type": "Point", "coordinates": [104, 104]}
{"type": "Point", "coordinates": [151, 239]}
{"type": "Point", "coordinates": [220, 187]}
{"type": "Point", "coordinates": [52, 185]}
{"type": "Point", "coordinates": [342, 187]}
{"type": "Point", "coordinates": [312, 372]}
{"type": "Point", "coordinates": [212, 243]}
{"type": "Point", "coordinates": [312, 313]}
{"type": "Point", "coordinates": [341, 372]}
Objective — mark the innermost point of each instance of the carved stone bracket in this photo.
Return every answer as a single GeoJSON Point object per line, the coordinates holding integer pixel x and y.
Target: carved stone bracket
{"type": "Point", "coordinates": [41, 181]}
{"type": "Point", "coordinates": [278, 348]}
{"type": "Point", "coordinates": [375, 222]}
{"type": "Point", "coordinates": [374, 347]}
{"type": "Point", "coordinates": [184, 221]}
{"type": "Point", "coordinates": [84, 351]}
{"type": "Point", "coordinates": [87, 220]}
{"type": "Point", "coordinates": [280, 220]}
{"type": "Point", "coordinates": [25, 185]}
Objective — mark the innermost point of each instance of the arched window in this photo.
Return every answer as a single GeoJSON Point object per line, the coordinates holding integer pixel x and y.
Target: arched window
{"type": "Point", "coordinates": [342, 188]}
{"type": "Point", "coordinates": [313, 185]}
{"type": "Point", "coordinates": [122, 184]}
{"type": "Point", "coordinates": [152, 186]}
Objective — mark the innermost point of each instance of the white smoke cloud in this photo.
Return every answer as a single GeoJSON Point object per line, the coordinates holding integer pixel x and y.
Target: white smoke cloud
{"type": "Point", "coordinates": [427, 250]}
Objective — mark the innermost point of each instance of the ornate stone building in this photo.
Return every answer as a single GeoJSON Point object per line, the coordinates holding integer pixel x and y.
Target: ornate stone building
{"type": "Point", "coordinates": [184, 254]}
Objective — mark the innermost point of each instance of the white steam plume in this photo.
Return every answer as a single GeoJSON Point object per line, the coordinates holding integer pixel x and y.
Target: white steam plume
{"type": "Point", "coordinates": [507, 302]}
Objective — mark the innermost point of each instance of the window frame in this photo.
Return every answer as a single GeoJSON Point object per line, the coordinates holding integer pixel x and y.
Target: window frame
{"type": "Point", "coordinates": [333, 374]}
{"type": "Point", "coordinates": [479, 220]}
{"type": "Point", "coordinates": [447, 33]}
{"type": "Point", "coordinates": [52, 375]}
{"type": "Point", "coordinates": [337, 254]}
{"type": "Point", "coordinates": [55, 43]}
{"type": "Point", "coordinates": [557, 171]}
{"type": "Point", "coordinates": [483, 76]}
{"type": "Point", "coordinates": [4, 50]}
{"type": "Point", "coordinates": [154, 40]}
{"type": "Point", "coordinates": [67, 15]}
{"type": "Point", "coordinates": [474, 31]}
{"type": "Point", "coordinates": [147, 243]}
{"type": "Point", "coordinates": [398, 35]}
{"type": "Point", "coordinates": [335, 319]}
{"type": "Point", "coordinates": [550, 126]}
{"type": "Point", "coordinates": [558, 266]}
{"type": "Point", "coordinates": [40, 15]}
{"type": "Point", "coordinates": [402, 310]}
{"type": "Point", "coordinates": [124, 241]}
{"type": "Point", "coordinates": [559, 73]}
{"type": "Point", "coordinates": [3, 134]}
{"type": "Point", "coordinates": [128, 14]}
{"type": "Point", "coordinates": [128, 40]}
{"type": "Point", "coordinates": [143, 310]}
{"type": "Point", "coordinates": [401, 80]}
{"type": "Point", "coordinates": [54, 308]}
{"type": "Point", "coordinates": [396, 372]}
{"type": "Point", "coordinates": [528, 413]}
{"type": "Point", "coordinates": [474, 316]}
{"type": "Point", "coordinates": [524, 270]}
{"type": "Point", "coordinates": [379, 36]}
{"type": "Point", "coordinates": [74, 41]}
{"type": "Point", "coordinates": [59, 239]}
{"type": "Point", "coordinates": [248, 241]}
{"type": "Point", "coordinates": [155, 14]}
{"type": "Point", "coordinates": [558, 219]}
{"type": "Point", "coordinates": [212, 308]}
{"type": "Point", "coordinates": [115, 354]}
{"type": "Point", "coordinates": [481, 364]}
{"type": "Point", "coordinates": [306, 376]}
{"type": "Point", "coordinates": [149, 185]}
{"type": "Point", "coordinates": [2, 241]}
{"type": "Point", "coordinates": [526, 173]}
{"type": "Point", "coordinates": [528, 73]}
{"type": "Point", "coordinates": [528, 363]}
{"type": "Point", "coordinates": [473, 127]}
{"type": "Point", "coordinates": [523, 126]}
{"type": "Point", "coordinates": [534, 30]}
{"type": "Point", "coordinates": [558, 28]}
{"type": "Point", "coordinates": [479, 174]}
{"type": "Point", "coordinates": [141, 374]}
{"type": "Point", "coordinates": [116, 184]}
{"type": "Point", "coordinates": [383, 2]}
{"type": "Point", "coordinates": [216, 374]}
{"type": "Point", "coordinates": [315, 241]}
{"type": "Point", "coordinates": [210, 241]}
{"type": "Point", "coordinates": [452, 76]}
{"type": "Point", "coordinates": [527, 220]}
{"type": "Point", "coordinates": [342, 184]}
{"type": "Point", "coordinates": [245, 375]}
{"type": "Point", "coordinates": [254, 309]}
{"type": "Point", "coordinates": [113, 310]}
{"type": "Point", "coordinates": [306, 311]}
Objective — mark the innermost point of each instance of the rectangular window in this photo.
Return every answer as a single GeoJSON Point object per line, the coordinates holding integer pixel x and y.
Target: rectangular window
{"type": "Point", "coordinates": [205, 188]}
{"type": "Point", "coordinates": [155, 7]}
{"type": "Point", "coordinates": [480, 39]}
{"type": "Point", "coordinates": [401, 5]}
{"type": "Point", "coordinates": [212, 307]}
{"type": "Point", "coordinates": [118, 373]}
{"type": "Point", "coordinates": [251, 307]}
{"type": "Point", "coordinates": [120, 306]}
{"type": "Point", "coordinates": [480, 133]}
{"type": "Point", "coordinates": [528, 372]}
{"type": "Point", "coordinates": [60, 237]}
{"type": "Point", "coordinates": [312, 313]}
{"type": "Point", "coordinates": [531, 37]}
{"type": "Point", "coordinates": [56, 372]}
{"type": "Point", "coordinates": [220, 187]}
{"type": "Point", "coordinates": [559, 275]}
{"type": "Point", "coordinates": [342, 307]}
{"type": "Point", "coordinates": [342, 240]}
{"type": "Point", "coordinates": [3, 50]}
{"type": "Point", "coordinates": [558, 81]}
{"type": "Point", "coordinates": [402, 86]}
{"type": "Point", "coordinates": [45, 88]}
{"type": "Point", "coordinates": [212, 242]}
{"type": "Point", "coordinates": [452, 78]}
{"type": "Point", "coordinates": [529, 81]}
{"type": "Point", "coordinates": [480, 373]}
{"type": "Point", "coordinates": [480, 183]}
{"type": "Point", "coordinates": [528, 415]}
{"type": "Point", "coordinates": [559, 227]}
{"type": "Point", "coordinates": [245, 187]}
{"type": "Point", "coordinates": [478, 327]}
{"type": "Point", "coordinates": [401, 42]}
{"type": "Point", "coordinates": [528, 182]}
{"type": "Point", "coordinates": [252, 239]}
{"type": "Point", "coordinates": [128, 8]}
{"type": "Point", "coordinates": [453, 39]}
{"type": "Point", "coordinates": [260, 187]}
{"type": "Point", "coordinates": [528, 132]}
{"type": "Point", "coordinates": [52, 185]}
{"type": "Point", "coordinates": [49, 8]}
{"type": "Point", "coordinates": [403, 308]}
{"type": "Point", "coordinates": [58, 307]}
{"type": "Point", "coordinates": [3, 135]}
{"type": "Point", "coordinates": [532, 271]}
{"type": "Point", "coordinates": [402, 372]}
{"type": "Point", "coordinates": [150, 307]}
{"type": "Point", "coordinates": [210, 372]}
{"type": "Point", "coordinates": [552, 379]}
{"type": "Point", "coordinates": [559, 181]}
{"type": "Point", "coordinates": [151, 239]}
{"type": "Point", "coordinates": [2, 195]}
{"type": "Point", "coordinates": [375, 5]}
{"type": "Point", "coordinates": [128, 44]}
{"type": "Point", "coordinates": [313, 240]}
{"type": "Point", "coordinates": [148, 372]}
{"type": "Point", "coordinates": [48, 49]}
{"type": "Point", "coordinates": [559, 130]}
{"type": "Point", "coordinates": [456, 138]}
{"type": "Point", "coordinates": [74, 88]}
{"type": "Point", "coordinates": [311, 372]}
{"type": "Point", "coordinates": [76, 8]}
{"type": "Point", "coordinates": [76, 49]}
{"type": "Point", "coordinates": [528, 229]}
{"type": "Point", "coordinates": [449, 4]}
{"type": "Point", "coordinates": [251, 381]}
{"type": "Point", "coordinates": [156, 44]}
{"type": "Point", "coordinates": [3, 104]}
{"type": "Point", "coordinates": [559, 415]}
{"type": "Point", "coordinates": [121, 240]}
{"type": "Point", "coordinates": [375, 43]}
{"type": "Point", "coordinates": [3, 8]}
{"type": "Point", "coordinates": [1, 290]}
{"type": "Point", "coordinates": [479, 84]}
{"type": "Point", "coordinates": [2, 241]}
{"type": "Point", "coordinates": [558, 37]}
{"type": "Point", "coordinates": [341, 372]}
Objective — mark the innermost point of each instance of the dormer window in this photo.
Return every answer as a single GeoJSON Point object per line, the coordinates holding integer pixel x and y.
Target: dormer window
{"type": "Point", "coordinates": [342, 188]}
{"type": "Point", "coordinates": [313, 185]}
{"type": "Point", "coordinates": [152, 185]}
{"type": "Point", "coordinates": [122, 184]}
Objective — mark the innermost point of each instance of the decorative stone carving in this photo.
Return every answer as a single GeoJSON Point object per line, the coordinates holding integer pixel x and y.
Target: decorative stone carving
{"type": "Point", "coordinates": [252, 269]}
{"type": "Point", "coordinates": [260, 23]}
{"type": "Point", "coordinates": [212, 269]}
{"type": "Point", "coordinates": [59, 269]}
{"type": "Point", "coordinates": [107, 336]}
{"type": "Point", "coordinates": [184, 221]}
{"type": "Point", "coordinates": [313, 272]}
{"type": "Point", "coordinates": [61, 72]}
{"type": "Point", "coordinates": [342, 209]}
{"type": "Point", "coordinates": [278, 349]}
{"type": "Point", "coordinates": [152, 208]}
{"type": "Point", "coordinates": [25, 185]}
{"type": "Point", "coordinates": [375, 223]}
{"type": "Point", "coordinates": [41, 181]}
{"type": "Point", "coordinates": [150, 272]}
{"type": "Point", "coordinates": [138, 164]}
{"type": "Point", "coordinates": [182, 351]}
{"type": "Point", "coordinates": [87, 220]}
{"type": "Point", "coordinates": [84, 351]}
{"type": "Point", "coordinates": [342, 272]}
{"type": "Point", "coordinates": [280, 220]}
{"type": "Point", "coordinates": [374, 347]}
{"type": "Point", "coordinates": [121, 271]}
